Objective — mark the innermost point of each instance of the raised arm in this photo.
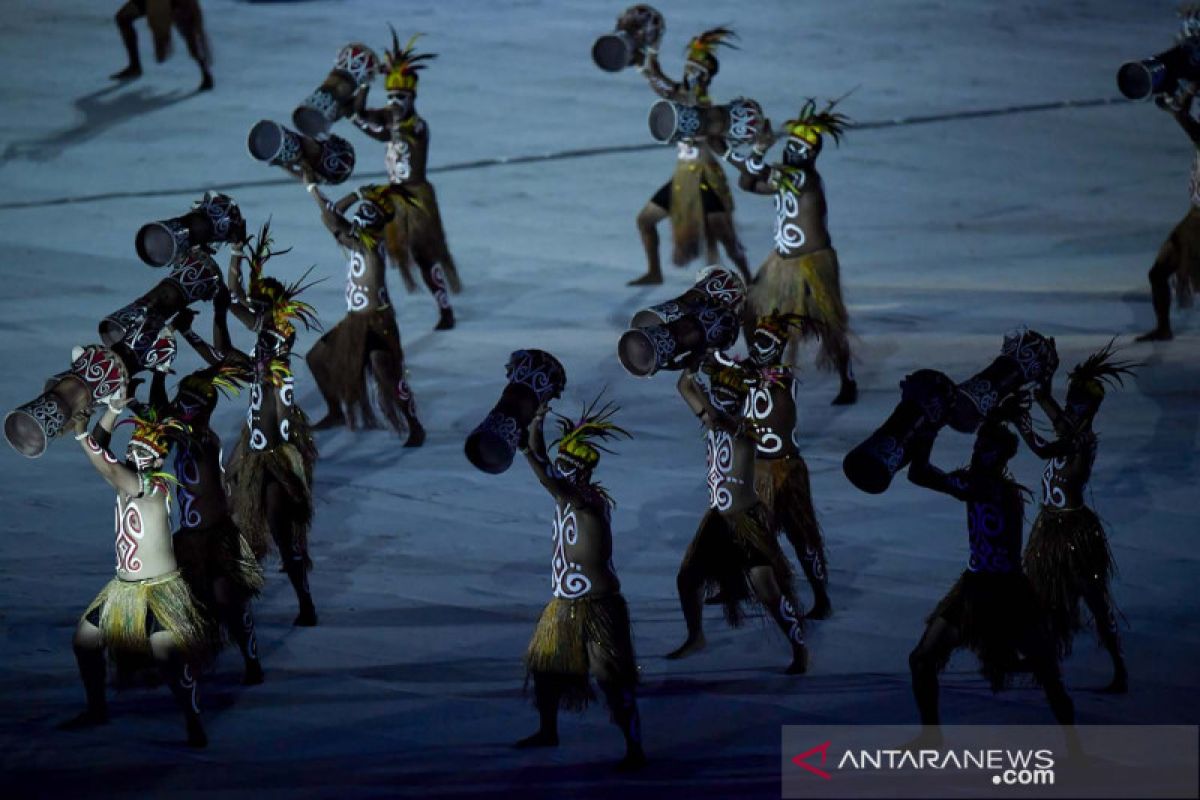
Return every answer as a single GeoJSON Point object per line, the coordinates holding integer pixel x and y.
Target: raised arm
{"type": "Point", "coordinates": [240, 305]}
{"type": "Point", "coordinates": [1041, 447]}
{"type": "Point", "coordinates": [697, 400]}
{"type": "Point", "coordinates": [371, 121]}
{"type": "Point", "coordinates": [925, 474]}
{"type": "Point", "coordinates": [754, 172]}
{"type": "Point", "coordinates": [118, 476]}
{"type": "Point", "coordinates": [1179, 104]}
{"type": "Point", "coordinates": [537, 455]}
{"type": "Point", "coordinates": [660, 84]}
{"type": "Point", "coordinates": [332, 214]}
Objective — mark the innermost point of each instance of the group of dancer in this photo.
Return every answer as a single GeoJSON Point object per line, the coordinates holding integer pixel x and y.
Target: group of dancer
{"type": "Point", "coordinates": [177, 596]}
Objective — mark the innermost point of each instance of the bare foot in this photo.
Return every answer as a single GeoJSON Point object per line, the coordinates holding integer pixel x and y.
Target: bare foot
{"type": "Point", "coordinates": [693, 645]}
{"type": "Point", "coordinates": [445, 321]}
{"type": "Point", "coordinates": [538, 739]}
{"type": "Point", "coordinates": [799, 664]}
{"type": "Point", "coordinates": [307, 618]}
{"type": "Point", "coordinates": [330, 420]}
{"type": "Point", "coordinates": [253, 675]}
{"type": "Point", "coordinates": [634, 760]}
{"type": "Point", "coordinates": [821, 609]}
{"type": "Point", "coordinates": [649, 279]}
{"type": "Point", "coordinates": [87, 719]}
{"type": "Point", "coordinates": [206, 82]}
{"type": "Point", "coordinates": [416, 435]}
{"type": "Point", "coordinates": [1156, 335]}
{"type": "Point", "coordinates": [130, 73]}
{"type": "Point", "coordinates": [848, 394]}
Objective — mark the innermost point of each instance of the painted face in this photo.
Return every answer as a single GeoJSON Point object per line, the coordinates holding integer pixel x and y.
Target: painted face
{"type": "Point", "coordinates": [1083, 400]}
{"type": "Point", "coordinates": [401, 100]}
{"type": "Point", "coordinates": [191, 407]}
{"type": "Point", "coordinates": [797, 152]}
{"type": "Point", "coordinates": [141, 456]}
{"type": "Point", "coordinates": [368, 215]}
{"type": "Point", "coordinates": [766, 347]}
{"type": "Point", "coordinates": [572, 469]}
{"type": "Point", "coordinates": [695, 76]}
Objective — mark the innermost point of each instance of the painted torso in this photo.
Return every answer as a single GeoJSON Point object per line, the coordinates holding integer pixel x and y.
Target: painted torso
{"type": "Point", "coordinates": [271, 394]}
{"type": "Point", "coordinates": [771, 409]}
{"type": "Point", "coordinates": [143, 534]}
{"type": "Point", "coordinates": [200, 493]}
{"type": "Point", "coordinates": [407, 149]}
{"type": "Point", "coordinates": [995, 517]}
{"type": "Point", "coordinates": [730, 471]}
{"type": "Point", "coordinates": [366, 286]}
{"type": "Point", "coordinates": [582, 560]}
{"type": "Point", "coordinates": [1065, 478]}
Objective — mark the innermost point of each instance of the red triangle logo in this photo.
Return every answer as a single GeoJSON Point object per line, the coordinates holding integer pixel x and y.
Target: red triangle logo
{"type": "Point", "coordinates": [802, 760]}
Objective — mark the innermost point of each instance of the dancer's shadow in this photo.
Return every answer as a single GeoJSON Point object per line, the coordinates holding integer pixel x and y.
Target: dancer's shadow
{"type": "Point", "coordinates": [101, 110]}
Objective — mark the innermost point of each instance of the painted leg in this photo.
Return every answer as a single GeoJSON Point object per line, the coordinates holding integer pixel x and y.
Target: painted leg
{"type": "Point", "coordinates": [435, 280]}
{"type": "Point", "coordinates": [546, 691]}
{"type": "Point", "coordinates": [181, 679]}
{"type": "Point", "coordinates": [89, 655]}
{"type": "Point", "coordinates": [647, 225]}
{"type": "Point", "coordinates": [239, 621]}
{"type": "Point", "coordinates": [389, 377]}
{"type": "Point", "coordinates": [191, 28]}
{"type": "Point", "coordinates": [786, 612]}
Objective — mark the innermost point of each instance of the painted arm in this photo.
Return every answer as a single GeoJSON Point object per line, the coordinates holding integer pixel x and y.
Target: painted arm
{"type": "Point", "coordinates": [709, 415]}
{"type": "Point", "coordinates": [241, 304]}
{"type": "Point", "coordinates": [118, 476]}
{"type": "Point", "coordinates": [537, 455]}
{"type": "Point", "coordinates": [924, 474]}
{"type": "Point", "coordinates": [660, 84]}
{"type": "Point", "coordinates": [371, 121]}
{"type": "Point", "coordinates": [1040, 447]}
{"type": "Point", "coordinates": [332, 214]}
{"type": "Point", "coordinates": [754, 172]}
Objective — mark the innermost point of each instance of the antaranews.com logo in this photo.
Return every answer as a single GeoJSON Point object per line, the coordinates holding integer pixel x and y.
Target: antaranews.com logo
{"type": "Point", "coordinates": [1150, 761]}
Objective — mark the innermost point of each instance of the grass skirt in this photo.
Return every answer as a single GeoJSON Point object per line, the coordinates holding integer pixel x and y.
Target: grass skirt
{"type": "Point", "coordinates": [350, 344]}
{"type": "Point", "coordinates": [783, 486]}
{"type": "Point", "coordinates": [1182, 250]}
{"type": "Point", "coordinates": [247, 478]}
{"type": "Point", "coordinates": [129, 611]}
{"type": "Point", "coordinates": [993, 613]}
{"type": "Point", "coordinates": [415, 232]}
{"type": "Point", "coordinates": [1067, 553]}
{"type": "Point", "coordinates": [218, 551]}
{"type": "Point", "coordinates": [689, 227]}
{"type": "Point", "coordinates": [569, 632]}
{"type": "Point", "coordinates": [724, 550]}
{"type": "Point", "coordinates": [809, 285]}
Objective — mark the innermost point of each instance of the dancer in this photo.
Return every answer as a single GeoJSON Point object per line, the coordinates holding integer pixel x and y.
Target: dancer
{"type": "Point", "coordinates": [801, 275]}
{"type": "Point", "coordinates": [366, 343]}
{"type": "Point", "coordinates": [270, 472]}
{"type": "Point", "coordinates": [147, 610]}
{"type": "Point", "coordinates": [734, 545]}
{"type": "Point", "coordinates": [992, 608]}
{"type": "Point", "coordinates": [1067, 557]}
{"type": "Point", "coordinates": [585, 628]}
{"type": "Point", "coordinates": [697, 198]}
{"type": "Point", "coordinates": [161, 14]}
{"type": "Point", "coordinates": [214, 558]}
{"type": "Point", "coordinates": [1180, 253]}
{"type": "Point", "coordinates": [415, 230]}
{"type": "Point", "coordinates": [780, 473]}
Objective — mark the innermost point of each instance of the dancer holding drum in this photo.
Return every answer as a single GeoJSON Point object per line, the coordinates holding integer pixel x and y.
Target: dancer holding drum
{"type": "Point", "coordinates": [697, 198]}
{"type": "Point", "coordinates": [734, 550]}
{"type": "Point", "coordinates": [414, 232]}
{"type": "Point", "coordinates": [366, 343]}
{"type": "Point", "coordinates": [270, 472]}
{"type": "Point", "coordinates": [801, 275]}
{"type": "Point", "coordinates": [585, 627]}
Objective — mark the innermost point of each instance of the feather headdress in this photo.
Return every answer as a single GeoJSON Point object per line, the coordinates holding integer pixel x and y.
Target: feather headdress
{"type": "Point", "coordinates": [279, 298]}
{"type": "Point", "coordinates": [404, 64]}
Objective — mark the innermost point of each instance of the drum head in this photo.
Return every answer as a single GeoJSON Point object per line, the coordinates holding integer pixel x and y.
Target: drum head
{"type": "Point", "coordinates": [24, 433]}
{"type": "Point", "coordinates": [664, 121]}
{"type": "Point", "coordinates": [265, 140]}
{"type": "Point", "coordinates": [611, 53]}
{"type": "Point", "coordinates": [637, 355]}
{"type": "Point", "coordinates": [155, 244]}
